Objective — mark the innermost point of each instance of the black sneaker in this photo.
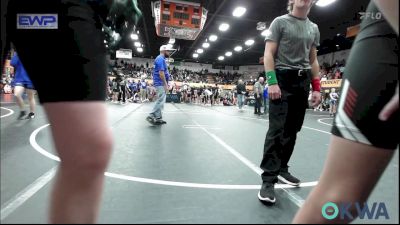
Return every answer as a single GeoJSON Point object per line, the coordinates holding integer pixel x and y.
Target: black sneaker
{"type": "Point", "coordinates": [31, 115]}
{"type": "Point", "coordinates": [267, 193]}
{"type": "Point", "coordinates": [151, 119]}
{"type": "Point", "coordinates": [287, 178]}
{"type": "Point", "coordinates": [160, 121]}
{"type": "Point", "coordinates": [21, 115]}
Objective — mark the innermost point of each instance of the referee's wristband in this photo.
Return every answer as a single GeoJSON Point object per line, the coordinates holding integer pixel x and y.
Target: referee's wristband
{"type": "Point", "coordinates": [316, 84]}
{"type": "Point", "coordinates": [271, 77]}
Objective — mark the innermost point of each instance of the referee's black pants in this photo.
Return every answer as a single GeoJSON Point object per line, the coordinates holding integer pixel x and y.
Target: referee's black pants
{"type": "Point", "coordinates": [286, 116]}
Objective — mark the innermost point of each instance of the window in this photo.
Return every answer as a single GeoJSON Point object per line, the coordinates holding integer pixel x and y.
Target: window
{"type": "Point", "coordinates": [165, 17]}
{"type": "Point", "coordinates": [182, 16]}
{"type": "Point", "coordinates": [166, 6]}
{"type": "Point", "coordinates": [195, 21]}
{"type": "Point", "coordinates": [196, 10]}
{"type": "Point", "coordinates": [177, 15]}
{"type": "Point", "coordinates": [179, 8]}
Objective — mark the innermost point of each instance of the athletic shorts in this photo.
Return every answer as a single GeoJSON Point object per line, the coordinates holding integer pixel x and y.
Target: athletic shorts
{"type": "Point", "coordinates": [27, 85]}
{"type": "Point", "coordinates": [70, 51]}
{"type": "Point", "coordinates": [369, 83]}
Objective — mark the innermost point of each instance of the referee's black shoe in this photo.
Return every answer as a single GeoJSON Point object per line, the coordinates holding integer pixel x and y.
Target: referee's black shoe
{"type": "Point", "coordinates": [287, 178]}
{"type": "Point", "coordinates": [22, 115]}
{"type": "Point", "coordinates": [267, 193]}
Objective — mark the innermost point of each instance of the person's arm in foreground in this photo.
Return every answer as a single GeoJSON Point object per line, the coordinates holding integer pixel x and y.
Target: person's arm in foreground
{"type": "Point", "coordinates": [390, 10]}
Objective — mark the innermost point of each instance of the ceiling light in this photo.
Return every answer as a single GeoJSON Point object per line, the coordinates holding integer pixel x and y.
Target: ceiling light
{"type": "Point", "coordinates": [206, 45]}
{"type": "Point", "coordinates": [223, 27]}
{"type": "Point", "coordinates": [228, 54]}
{"type": "Point", "coordinates": [266, 33]}
{"type": "Point", "coordinates": [337, 46]}
{"type": "Point", "coordinates": [137, 44]}
{"type": "Point", "coordinates": [134, 37]}
{"type": "Point", "coordinates": [105, 41]}
{"type": "Point", "coordinates": [213, 37]}
{"type": "Point", "coordinates": [195, 55]}
{"type": "Point", "coordinates": [239, 11]}
{"type": "Point", "coordinates": [221, 58]}
{"type": "Point", "coordinates": [249, 42]}
{"type": "Point", "coordinates": [139, 49]}
{"type": "Point", "coordinates": [200, 50]}
{"type": "Point", "coordinates": [323, 3]}
{"type": "Point", "coordinates": [172, 41]}
{"type": "Point", "coordinates": [238, 48]}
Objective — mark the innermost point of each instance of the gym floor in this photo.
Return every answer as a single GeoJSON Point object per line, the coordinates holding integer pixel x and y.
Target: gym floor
{"type": "Point", "coordinates": [202, 167]}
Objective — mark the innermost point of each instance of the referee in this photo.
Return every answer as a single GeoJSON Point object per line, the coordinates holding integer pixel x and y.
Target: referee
{"type": "Point", "coordinates": [290, 62]}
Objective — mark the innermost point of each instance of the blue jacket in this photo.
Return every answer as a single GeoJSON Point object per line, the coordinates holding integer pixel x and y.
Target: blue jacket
{"type": "Point", "coordinates": [266, 93]}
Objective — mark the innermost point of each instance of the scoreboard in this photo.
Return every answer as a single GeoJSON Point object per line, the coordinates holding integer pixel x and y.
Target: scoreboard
{"type": "Point", "coordinates": [179, 19]}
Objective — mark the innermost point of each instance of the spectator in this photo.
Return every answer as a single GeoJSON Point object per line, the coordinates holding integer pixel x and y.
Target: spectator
{"type": "Point", "coordinates": [333, 102]}
{"type": "Point", "coordinates": [258, 91]}
{"type": "Point", "coordinates": [143, 90]}
{"type": "Point", "coordinates": [7, 89]}
{"type": "Point", "coordinates": [337, 74]}
{"type": "Point", "coordinates": [266, 101]}
{"type": "Point", "coordinates": [241, 91]}
{"type": "Point", "coordinates": [116, 88]}
{"type": "Point", "coordinates": [21, 83]}
{"type": "Point", "coordinates": [227, 102]}
{"type": "Point", "coordinates": [123, 89]}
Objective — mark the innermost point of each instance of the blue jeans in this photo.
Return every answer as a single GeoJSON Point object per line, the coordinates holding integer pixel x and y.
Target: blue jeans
{"type": "Point", "coordinates": [159, 104]}
{"type": "Point", "coordinates": [266, 105]}
{"type": "Point", "coordinates": [240, 98]}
